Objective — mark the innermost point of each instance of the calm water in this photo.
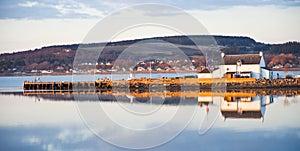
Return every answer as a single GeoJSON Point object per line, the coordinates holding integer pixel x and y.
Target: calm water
{"type": "Point", "coordinates": [164, 122]}
{"type": "Point", "coordinates": [16, 82]}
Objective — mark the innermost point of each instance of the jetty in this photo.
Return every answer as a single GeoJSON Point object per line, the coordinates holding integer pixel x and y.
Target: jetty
{"type": "Point", "coordinates": [170, 84]}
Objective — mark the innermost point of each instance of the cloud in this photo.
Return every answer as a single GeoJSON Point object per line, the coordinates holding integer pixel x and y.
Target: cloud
{"type": "Point", "coordinates": [52, 9]}
{"type": "Point", "coordinates": [28, 4]}
{"type": "Point", "coordinates": [74, 136]}
{"type": "Point", "coordinates": [44, 9]}
{"type": "Point", "coordinates": [114, 5]}
{"type": "Point", "coordinates": [75, 8]}
{"type": "Point", "coordinates": [32, 140]}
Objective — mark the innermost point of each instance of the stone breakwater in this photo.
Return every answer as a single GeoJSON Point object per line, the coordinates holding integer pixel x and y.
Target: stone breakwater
{"type": "Point", "coordinates": [170, 84]}
{"type": "Point", "coordinates": [266, 84]}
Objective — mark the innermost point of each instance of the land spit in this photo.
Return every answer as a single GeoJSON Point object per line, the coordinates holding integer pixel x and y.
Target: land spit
{"type": "Point", "coordinates": [170, 84]}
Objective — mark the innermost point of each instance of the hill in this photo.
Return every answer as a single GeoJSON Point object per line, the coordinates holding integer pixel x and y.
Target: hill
{"type": "Point", "coordinates": [60, 58]}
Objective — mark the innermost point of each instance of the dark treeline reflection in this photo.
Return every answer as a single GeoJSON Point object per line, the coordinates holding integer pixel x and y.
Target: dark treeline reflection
{"type": "Point", "coordinates": [170, 97]}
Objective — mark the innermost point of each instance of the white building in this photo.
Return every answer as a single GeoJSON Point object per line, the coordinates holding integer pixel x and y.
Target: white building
{"type": "Point", "coordinates": [205, 73]}
{"type": "Point", "coordinates": [283, 73]}
{"type": "Point", "coordinates": [243, 65]}
{"type": "Point", "coordinates": [276, 73]}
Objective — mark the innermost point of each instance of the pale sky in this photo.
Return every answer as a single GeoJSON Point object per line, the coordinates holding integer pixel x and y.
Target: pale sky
{"type": "Point", "coordinates": [32, 24]}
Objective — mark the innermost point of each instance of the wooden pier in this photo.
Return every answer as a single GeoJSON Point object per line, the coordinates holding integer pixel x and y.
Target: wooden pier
{"type": "Point", "coordinates": [47, 85]}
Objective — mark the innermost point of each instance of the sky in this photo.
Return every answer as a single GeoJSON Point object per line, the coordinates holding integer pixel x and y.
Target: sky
{"type": "Point", "coordinates": [31, 24]}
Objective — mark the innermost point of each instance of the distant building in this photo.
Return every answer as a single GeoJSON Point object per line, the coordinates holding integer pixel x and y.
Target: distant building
{"type": "Point", "coordinates": [205, 73]}
{"type": "Point", "coordinates": [243, 65]}
{"type": "Point", "coordinates": [276, 73]}
{"type": "Point", "coordinates": [284, 72]}
{"type": "Point", "coordinates": [67, 50]}
{"type": "Point", "coordinates": [46, 71]}
{"type": "Point", "coordinates": [140, 69]}
{"type": "Point", "coordinates": [60, 68]}
{"type": "Point", "coordinates": [34, 71]}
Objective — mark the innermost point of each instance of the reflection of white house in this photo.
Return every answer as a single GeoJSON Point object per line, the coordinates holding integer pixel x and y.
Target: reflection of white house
{"type": "Point", "coordinates": [245, 107]}
{"type": "Point", "coordinates": [243, 65]}
{"type": "Point", "coordinates": [209, 100]}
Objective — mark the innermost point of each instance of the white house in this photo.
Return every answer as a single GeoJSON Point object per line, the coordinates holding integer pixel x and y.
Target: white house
{"type": "Point", "coordinates": [276, 73]}
{"type": "Point", "coordinates": [243, 65]}
{"type": "Point", "coordinates": [282, 73]}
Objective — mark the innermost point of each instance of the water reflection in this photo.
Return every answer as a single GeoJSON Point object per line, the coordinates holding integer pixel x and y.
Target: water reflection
{"type": "Point", "coordinates": [239, 105]}
{"type": "Point", "coordinates": [51, 122]}
{"type": "Point", "coordinates": [249, 104]}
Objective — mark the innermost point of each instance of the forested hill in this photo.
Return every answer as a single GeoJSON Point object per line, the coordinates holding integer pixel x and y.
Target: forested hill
{"type": "Point", "coordinates": [60, 58]}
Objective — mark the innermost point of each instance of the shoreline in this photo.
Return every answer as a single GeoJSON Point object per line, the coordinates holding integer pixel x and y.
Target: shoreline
{"type": "Point", "coordinates": [102, 73]}
{"type": "Point", "coordinates": [188, 93]}
{"type": "Point", "coordinates": [171, 84]}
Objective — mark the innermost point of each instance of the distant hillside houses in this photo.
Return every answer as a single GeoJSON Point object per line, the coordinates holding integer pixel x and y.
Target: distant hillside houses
{"type": "Point", "coordinates": [247, 66]}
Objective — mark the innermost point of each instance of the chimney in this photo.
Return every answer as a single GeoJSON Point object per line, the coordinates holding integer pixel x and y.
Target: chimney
{"type": "Point", "coordinates": [222, 54]}
{"type": "Point", "coordinates": [261, 53]}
